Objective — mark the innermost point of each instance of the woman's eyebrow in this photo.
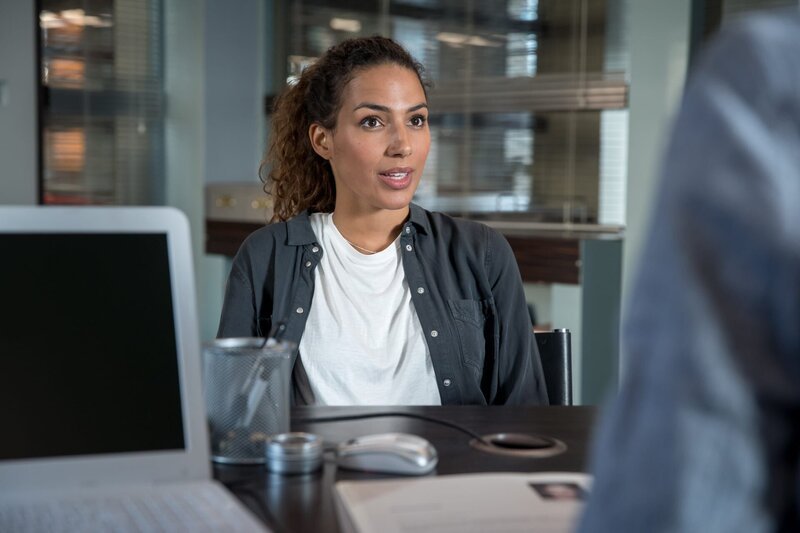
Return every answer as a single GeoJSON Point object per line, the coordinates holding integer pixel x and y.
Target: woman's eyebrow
{"type": "Point", "coordinates": [384, 109]}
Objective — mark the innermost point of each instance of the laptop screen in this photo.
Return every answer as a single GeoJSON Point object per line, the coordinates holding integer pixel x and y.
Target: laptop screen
{"type": "Point", "coordinates": [88, 352]}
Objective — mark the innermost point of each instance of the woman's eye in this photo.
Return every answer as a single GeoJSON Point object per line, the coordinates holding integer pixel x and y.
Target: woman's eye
{"type": "Point", "coordinates": [418, 121]}
{"type": "Point", "coordinates": [371, 122]}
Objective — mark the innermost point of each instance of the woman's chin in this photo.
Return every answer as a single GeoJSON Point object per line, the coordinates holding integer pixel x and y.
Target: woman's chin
{"type": "Point", "coordinates": [397, 201]}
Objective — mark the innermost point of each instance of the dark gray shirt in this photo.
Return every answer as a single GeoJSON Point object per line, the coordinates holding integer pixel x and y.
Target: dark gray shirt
{"type": "Point", "coordinates": [465, 286]}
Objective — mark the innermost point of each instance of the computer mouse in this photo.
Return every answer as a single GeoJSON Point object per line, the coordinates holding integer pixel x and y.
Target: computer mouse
{"type": "Point", "coordinates": [388, 453]}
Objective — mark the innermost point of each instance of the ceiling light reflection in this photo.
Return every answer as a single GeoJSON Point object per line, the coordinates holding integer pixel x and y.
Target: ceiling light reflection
{"type": "Point", "coordinates": [460, 39]}
{"type": "Point", "coordinates": [349, 25]}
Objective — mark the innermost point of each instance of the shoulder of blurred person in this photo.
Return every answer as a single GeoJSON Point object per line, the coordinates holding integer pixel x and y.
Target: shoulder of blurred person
{"type": "Point", "coordinates": [703, 435]}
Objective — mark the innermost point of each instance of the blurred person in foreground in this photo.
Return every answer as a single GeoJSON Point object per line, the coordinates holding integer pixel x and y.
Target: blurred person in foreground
{"type": "Point", "coordinates": [704, 435]}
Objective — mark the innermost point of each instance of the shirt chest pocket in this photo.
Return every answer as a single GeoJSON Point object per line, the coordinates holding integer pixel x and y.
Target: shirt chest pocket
{"type": "Point", "coordinates": [470, 323]}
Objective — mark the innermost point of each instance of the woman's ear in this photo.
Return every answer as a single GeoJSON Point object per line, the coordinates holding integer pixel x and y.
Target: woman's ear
{"type": "Point", "coordinates": [320, 140]}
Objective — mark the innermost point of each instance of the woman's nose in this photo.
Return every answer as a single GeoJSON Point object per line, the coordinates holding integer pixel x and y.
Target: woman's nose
{"type": "Point", "coordinates": [400, 145]}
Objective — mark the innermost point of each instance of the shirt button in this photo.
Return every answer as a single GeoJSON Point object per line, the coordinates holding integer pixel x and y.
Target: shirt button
{"type": "Point", "coordinates": [420, 290]}
{"type": "Point", "coordinates": [308, 264]}
{"type": "Point", "coordinates": [447, 382]}
{"type": "Point", "coordinates": [315, 249]}
{"type": "Point", "coordinates": [408, 247]}
{"type": "Point", "coordinates": [408, 229]}
{"type": "Point", "coordinates": [282, 327]}
{"type": "Point", "coordinates": [299, 310]}
{"type": "Point", "coordinates": [434, 333]}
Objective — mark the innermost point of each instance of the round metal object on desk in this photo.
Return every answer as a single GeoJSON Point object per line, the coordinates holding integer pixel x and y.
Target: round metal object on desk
{"type": "Point", "coordinates": [293, 453]}
{"type": "Point", "coordinates": [519, 445]}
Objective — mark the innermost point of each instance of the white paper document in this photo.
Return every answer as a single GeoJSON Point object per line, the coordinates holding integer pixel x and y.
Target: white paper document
{"type": "Point", "coordinates": [467, 503]}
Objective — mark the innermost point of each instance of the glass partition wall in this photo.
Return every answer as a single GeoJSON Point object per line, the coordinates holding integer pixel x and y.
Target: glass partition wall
{"type": "Point", "coordinates": [528, 105]}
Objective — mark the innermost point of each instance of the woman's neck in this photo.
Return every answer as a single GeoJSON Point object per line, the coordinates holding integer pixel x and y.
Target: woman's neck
{"type": "Point", "coordinates": [370, 232]}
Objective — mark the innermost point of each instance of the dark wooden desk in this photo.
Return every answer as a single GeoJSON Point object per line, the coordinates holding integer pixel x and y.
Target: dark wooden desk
{"type": "Point", "coordinates": [299, 504]}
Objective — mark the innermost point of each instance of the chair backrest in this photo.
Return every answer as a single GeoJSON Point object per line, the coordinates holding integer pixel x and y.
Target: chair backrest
{"type": "Point", "coordinates": [555, 350]}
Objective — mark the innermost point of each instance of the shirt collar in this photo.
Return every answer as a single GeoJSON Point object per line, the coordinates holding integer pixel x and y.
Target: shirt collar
{"type": "Point", "coordinates": [299, 230]}
{"type": "Point", "coordinates": [419, 217]}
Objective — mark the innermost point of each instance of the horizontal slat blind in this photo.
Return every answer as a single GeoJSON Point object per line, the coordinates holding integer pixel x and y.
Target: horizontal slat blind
{"type": "Point", "coordinates": [520, 89]}
{"type": "Point", "coordinates": [103, 116]}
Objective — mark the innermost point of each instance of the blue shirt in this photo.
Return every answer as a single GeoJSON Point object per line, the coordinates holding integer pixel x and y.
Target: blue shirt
{"type": "Point", "coordinates": [705, 432]}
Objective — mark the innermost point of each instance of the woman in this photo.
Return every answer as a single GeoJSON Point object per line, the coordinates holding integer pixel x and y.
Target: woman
{"type": "Point", "coordinates": [390, 303]}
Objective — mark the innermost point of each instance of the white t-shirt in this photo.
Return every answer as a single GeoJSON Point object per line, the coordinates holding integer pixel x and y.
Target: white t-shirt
{"type": "Point", "coordinates": [363, 343]}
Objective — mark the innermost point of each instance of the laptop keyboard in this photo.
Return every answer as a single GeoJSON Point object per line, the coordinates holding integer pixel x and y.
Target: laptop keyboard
{"type": "Point", "coordinates": [195, 508]}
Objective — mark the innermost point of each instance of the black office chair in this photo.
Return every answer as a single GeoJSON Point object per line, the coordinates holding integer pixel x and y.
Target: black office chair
{"type": "Point", "coordinates": [555, 350]}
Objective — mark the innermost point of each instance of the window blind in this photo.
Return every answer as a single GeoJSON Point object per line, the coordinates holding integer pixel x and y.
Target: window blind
{"type": "Point", "coordinates": [529, 98]}
{"type": "Point", "coordinates": [102, 116]}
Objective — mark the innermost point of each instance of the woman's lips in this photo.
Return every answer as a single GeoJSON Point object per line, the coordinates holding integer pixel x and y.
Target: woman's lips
{"type": "Point", "coordinates": [397, 178]}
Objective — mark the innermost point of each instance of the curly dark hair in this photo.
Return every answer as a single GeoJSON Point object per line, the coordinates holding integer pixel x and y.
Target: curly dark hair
{"type": "Point", "coordinates": [293, 174]}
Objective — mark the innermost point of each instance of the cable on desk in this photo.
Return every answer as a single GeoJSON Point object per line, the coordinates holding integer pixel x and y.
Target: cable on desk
{"type": "Point", "coordinates": [343, 418]}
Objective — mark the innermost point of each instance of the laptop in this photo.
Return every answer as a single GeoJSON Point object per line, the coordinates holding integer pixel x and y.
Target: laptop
{"type": "Point", "coordinates": [103, 421]}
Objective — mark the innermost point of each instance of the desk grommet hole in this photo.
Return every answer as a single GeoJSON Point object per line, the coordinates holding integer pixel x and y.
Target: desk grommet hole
{"type": "Point", "coordinates": [519, 445]}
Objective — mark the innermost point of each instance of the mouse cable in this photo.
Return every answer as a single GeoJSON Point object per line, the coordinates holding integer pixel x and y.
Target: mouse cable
{"type": "Point", "coordinates": [344, 418]}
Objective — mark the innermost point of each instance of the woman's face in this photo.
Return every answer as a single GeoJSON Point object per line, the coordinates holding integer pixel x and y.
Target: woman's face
{"type": "Point", "coordinates": [381, 140]}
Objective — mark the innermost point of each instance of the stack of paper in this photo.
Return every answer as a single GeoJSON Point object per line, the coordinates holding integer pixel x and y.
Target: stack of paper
{"type": "Point", "coordinates": [502, 503]}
